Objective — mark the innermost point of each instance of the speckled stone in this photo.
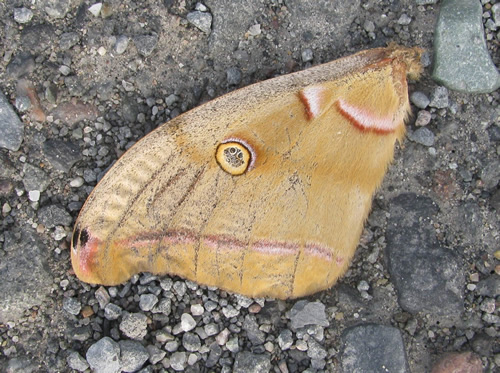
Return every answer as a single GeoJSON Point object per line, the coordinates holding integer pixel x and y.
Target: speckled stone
{"type": "Point", "coordinates": [104, 356]}
{"type": "Point", "coordinates": [461, 58]}
{"type": "Point", "coordinates": [11, 127]}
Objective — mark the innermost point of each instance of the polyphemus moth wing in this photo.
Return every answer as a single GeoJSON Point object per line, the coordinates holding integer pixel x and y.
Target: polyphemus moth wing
{"type": "Point", "coordinates": [263, 191]}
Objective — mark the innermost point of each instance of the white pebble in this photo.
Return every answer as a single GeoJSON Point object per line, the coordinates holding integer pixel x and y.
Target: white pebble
{"type": "Point", "coordinates": [34, 195]}
{"type": "Point", "coordinates": [102, 51]}
{"type": "Point", "coordinates": [95, 9]}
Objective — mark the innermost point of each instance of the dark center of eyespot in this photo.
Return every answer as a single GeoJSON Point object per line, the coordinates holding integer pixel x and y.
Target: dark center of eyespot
{"type": "Point", "coordinates": [80, 238]}
{"type": "Point", "coordinates": [234, 156]}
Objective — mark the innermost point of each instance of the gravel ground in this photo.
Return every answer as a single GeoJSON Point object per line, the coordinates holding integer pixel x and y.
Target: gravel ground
{"type": "Point", "coordinates": [84, 81]}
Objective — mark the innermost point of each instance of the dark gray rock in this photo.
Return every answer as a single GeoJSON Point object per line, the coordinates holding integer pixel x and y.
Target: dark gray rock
{"type": "Point", "coordinates": [428, 278]}
{"type": "Point", "coordinates": [38, 37]}
{"type": "Point", "coordinates": [68, 39]}
{"type": "Point", "coordinates": [155, 354]}
{"type": "Point", "coordinates": [214, 355]}
{"type": "Point", "coordinates": [11, 127]}
{"type": "Point", "coordinates": [439, 98]}
{"type": "Point", "coordinates": [420, 99]}
{"type": "Point", "coordinates": [461, 58]}
{"type": "Point", "coordinates": [134, 325]}
{"type": "Point", "coordinates": [26, 278]}
{"type": "Point", "coordinates": [285, 339]}
{"type": "Point", "coordinates": [81, 333]}
{"type": "Point", "coordinates": [77, 362]}
{"type": "Point", "coordinates": [201, 20]}
{"type": "Point", "coordinates": [72, 305]}
{"type": "Point", "coordinates": [247, 362]}
{"type": "Point", "coordinates": [191, 342]}
{"type": "Point", "coordinates": [34, 178]}
{"type": "Point", "coordinates": [133, 355]}
{"type": "Point", "coordinates": [423, 136]}
{"type": "Point", "coordinates": [490, 174]}
{"type": "Point", "coordinates": [308, 313]}
{"type": "Point", "coordinates": [233, 76]}
{"type": "Point", "coordinates": [22, 64]}
{"type": "Point", "coordinates": [373, 348]}
{"type": "Point", "coordinates": [145, 44]}
{"type": "Point", "coordinates": [53, 215]}
{"type": "Point", "coordinates": [489, 287]}
{"type": "Point", "coordinates": [255, 335]}
{"type": "Point", "coordinates": [104, 356]}
{"type": "Point", "coordinates": [112, 311]}
{"type": "Point", "coordinates": [21, 364]}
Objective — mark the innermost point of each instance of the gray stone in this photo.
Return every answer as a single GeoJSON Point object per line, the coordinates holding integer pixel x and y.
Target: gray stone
{"type": "Point", "coordinates": [461, 58]}
{"type": "Point", "coordinates": [55, 8]}
{"type": "Point", "coordinates": [201, 20]}
{"type": "Point", "coordinates": [112, 311]}
{"type": "Point", "coordinates": [426, 2]}
{"type": "Point", "coordinates": [77, 362]}
{"type": "Point", "coordinates": [133, 355]}
{"type": "Point", "coordinates": [423, 136]}
{"type": "Point", "coordinates": [315, 350]}
{"type": "Point", "coordinates": [68, 40]}
{"type": "Point", "coordinates": [307, 55]}
{"type": "Point", "coordinates": [22, 15]}
{"type": "Point", "coordinates": [121, 44]}
{"type": "Point", "coordinates": [34, 178]}
{"type": "Point", "coordinates": [178, 361]}
{"type": "Point", "coordinates": [21, 364]}
{"type": "Point", "coordinates": [229, 311]}
{"type": "Point", "coordinates": [147, 302]}
{"type": "Point", "coordinates": [233, 76]}
{"type": "Point", "coordinates": [439, 98]}
{"type": "Point", "coordinates": [490, 286]}
{"type": "Point", "coordinates": [62, 155]}
{"type": "Point", "coordinates": [38, 37]}
{"type": "Point", "coordinates": [102, 296]}
{"type": "Point", "coordinates": [285, 339]}
{"type": "Point", "coordinates": [180, 288]}
{"type": "Point", "coordinates": [22, 64]}
{"type": "Point", "coordinates": [428, 278]}
{"type": "Point", "coordinates": [373, 348]}
{"type": "Point", "coordinates": [214, 355]}
{"type": "Point", "coordinates": [134, 325]}
{"type": "Point", "coordinates": [256, 336]}
{"type": "Point", "coordinates": [11, 127]}
{"type": "Point", "coordinates": [164, 307]}
{"type": "Point", "coordinates": [423, 118]}
{"type": "Point", "coordinates": [26, 277]}
{"type": "Point", "coordinates": [187, 322]}
{"type": "Point", "coordinates": [145, 44]}
{"type": "Point", "coordinates": [308, 313]}
{"type": "Point", "coordinates": [233, 345]}
{"type": "Point", "coordinates": [104, 356]}
{"type": "Point", "coordinates": [155, 354]}
{"type": "Point", "coordinates": [72, 305]}
{"type": "Point", "coordinates": [490, 174]}
{"type": "Point", "coordinates": [420, 99]}
{"type": "Point", "coordinates": [53, 215]}
{"type": "Point", "coordinates": [191, 342]}
{"type": "Point", "coordinates": [247, 362]}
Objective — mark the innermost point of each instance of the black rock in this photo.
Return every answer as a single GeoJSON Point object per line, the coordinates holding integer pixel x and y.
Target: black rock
{"type": "Point", "coordinates": [373, 348]}
{"type": "Point", "coordinates": [246, 362]}
{"type": "Point", "coordinates": [427, 277]}
{"type": "Point", "coordinates": [21, 65]}
{"type": "Point", "coordinates": [53, 215]}
{"type": "Point", "coordinates": [11, 127]}
{"type": "Point", "coordinates": [37, 38]}
{"type": "Point", "coordinates": [255, 335]}
{"type": "Point", "coordinates": [62, 155]}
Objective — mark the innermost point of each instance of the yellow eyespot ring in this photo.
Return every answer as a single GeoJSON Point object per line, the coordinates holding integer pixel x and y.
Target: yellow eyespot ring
{"type": "Point", "coordinates": [234, 156]}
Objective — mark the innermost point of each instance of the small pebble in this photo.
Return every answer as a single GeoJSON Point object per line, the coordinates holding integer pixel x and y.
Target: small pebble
{"type": "Point", "coordinates": [423, 118]}
{"type": "Point", "coordinates": [22, 15]}
{"type": "Point", "coordinates": [95, 9]}
{"type": "Point", "coordinates": [187, 322]}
